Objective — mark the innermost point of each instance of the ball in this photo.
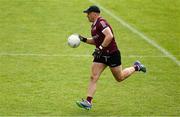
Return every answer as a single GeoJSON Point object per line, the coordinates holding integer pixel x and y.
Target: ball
{"type": "Point", "coordinates": [74, 41]}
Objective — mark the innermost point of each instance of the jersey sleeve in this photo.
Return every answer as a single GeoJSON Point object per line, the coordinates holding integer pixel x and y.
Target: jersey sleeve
{"type": "Point", "coordinates": [102, 25]}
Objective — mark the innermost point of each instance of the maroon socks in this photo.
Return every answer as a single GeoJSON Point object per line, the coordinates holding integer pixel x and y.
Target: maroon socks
{"type": "Point", "coordinates": [89, 99]}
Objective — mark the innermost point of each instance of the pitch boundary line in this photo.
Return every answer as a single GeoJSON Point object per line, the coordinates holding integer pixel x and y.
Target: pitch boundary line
{"type": "Point", "coordinates": [73, 55]}
{"type": "Point", "coordinates": [137, 32]}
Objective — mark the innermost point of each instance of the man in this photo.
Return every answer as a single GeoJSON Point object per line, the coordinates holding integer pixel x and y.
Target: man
{"type": "Point", "coordinates": [105, 54]}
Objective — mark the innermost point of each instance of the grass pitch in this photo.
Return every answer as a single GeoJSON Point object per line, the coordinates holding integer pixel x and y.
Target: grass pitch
{"type": "Point", "coordinates": [41, 75]}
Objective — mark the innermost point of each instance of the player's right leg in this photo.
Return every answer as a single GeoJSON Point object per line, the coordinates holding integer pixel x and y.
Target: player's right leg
{"type": "Point", "coordinates": [139, 66]}
{"type": "Point", "coordinates": [121, 75]}
{"type": "Point", "coordinates": [96, 70]}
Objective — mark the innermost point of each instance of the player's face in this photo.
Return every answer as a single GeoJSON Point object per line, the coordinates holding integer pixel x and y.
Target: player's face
{"type": "Point", "coordinates": [91, 16]}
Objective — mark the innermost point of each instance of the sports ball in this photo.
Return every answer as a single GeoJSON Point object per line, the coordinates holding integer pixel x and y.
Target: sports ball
{"type": "Point", "coordinates": [74, 41]}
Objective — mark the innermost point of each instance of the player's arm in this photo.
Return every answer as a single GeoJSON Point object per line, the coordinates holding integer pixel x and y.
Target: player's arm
{"type": "Point", "coordinates": [108, 37]}
{"type": "Point", "coordinates": [87, 40]}
{"type": "Point", "coordinates": [90, 41]}
{"type": "Point", "coordinates": [107, 40]}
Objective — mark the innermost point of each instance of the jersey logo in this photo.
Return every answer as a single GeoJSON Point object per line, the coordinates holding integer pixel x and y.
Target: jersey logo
{"type": "Point", "coordinates": [103, 24]}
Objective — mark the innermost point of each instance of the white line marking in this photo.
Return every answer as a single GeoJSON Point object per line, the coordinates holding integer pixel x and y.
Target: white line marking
{"type": "Point", "coordinates": [66, 55]}
{"type": "Point", "coordinates": [143, 36]}
{"type": "Point", "coordinates": [42, 55]}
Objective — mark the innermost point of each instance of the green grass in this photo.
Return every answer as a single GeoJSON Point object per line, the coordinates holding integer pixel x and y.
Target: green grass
{"type": "Point", "coordinates": [159, 20]}
{"type": "Point", "coordinates": [50, 85]}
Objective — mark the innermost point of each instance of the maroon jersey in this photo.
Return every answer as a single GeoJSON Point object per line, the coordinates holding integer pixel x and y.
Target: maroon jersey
{"type": "Point", "coordinates": [96, 32]}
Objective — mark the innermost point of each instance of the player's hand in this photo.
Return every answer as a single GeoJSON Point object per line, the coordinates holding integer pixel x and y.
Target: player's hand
{"type": "Point", "coordinates": [97, 53]}
{"type": "Point", "coordinates": [83, 39]}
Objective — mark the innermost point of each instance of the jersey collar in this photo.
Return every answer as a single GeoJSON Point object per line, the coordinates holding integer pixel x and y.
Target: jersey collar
{"type": "Point", "coordinates": [94, 23]}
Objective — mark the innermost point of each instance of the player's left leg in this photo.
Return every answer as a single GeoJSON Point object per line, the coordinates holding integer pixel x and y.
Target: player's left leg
{"type": "Point", "coordinates": [96, 70]}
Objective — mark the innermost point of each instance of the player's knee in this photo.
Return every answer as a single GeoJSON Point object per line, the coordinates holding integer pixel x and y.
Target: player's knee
{"type": "Point", "coordinates": [94, 77]}
{"type": "Point", "coordinates": [119, 79]}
